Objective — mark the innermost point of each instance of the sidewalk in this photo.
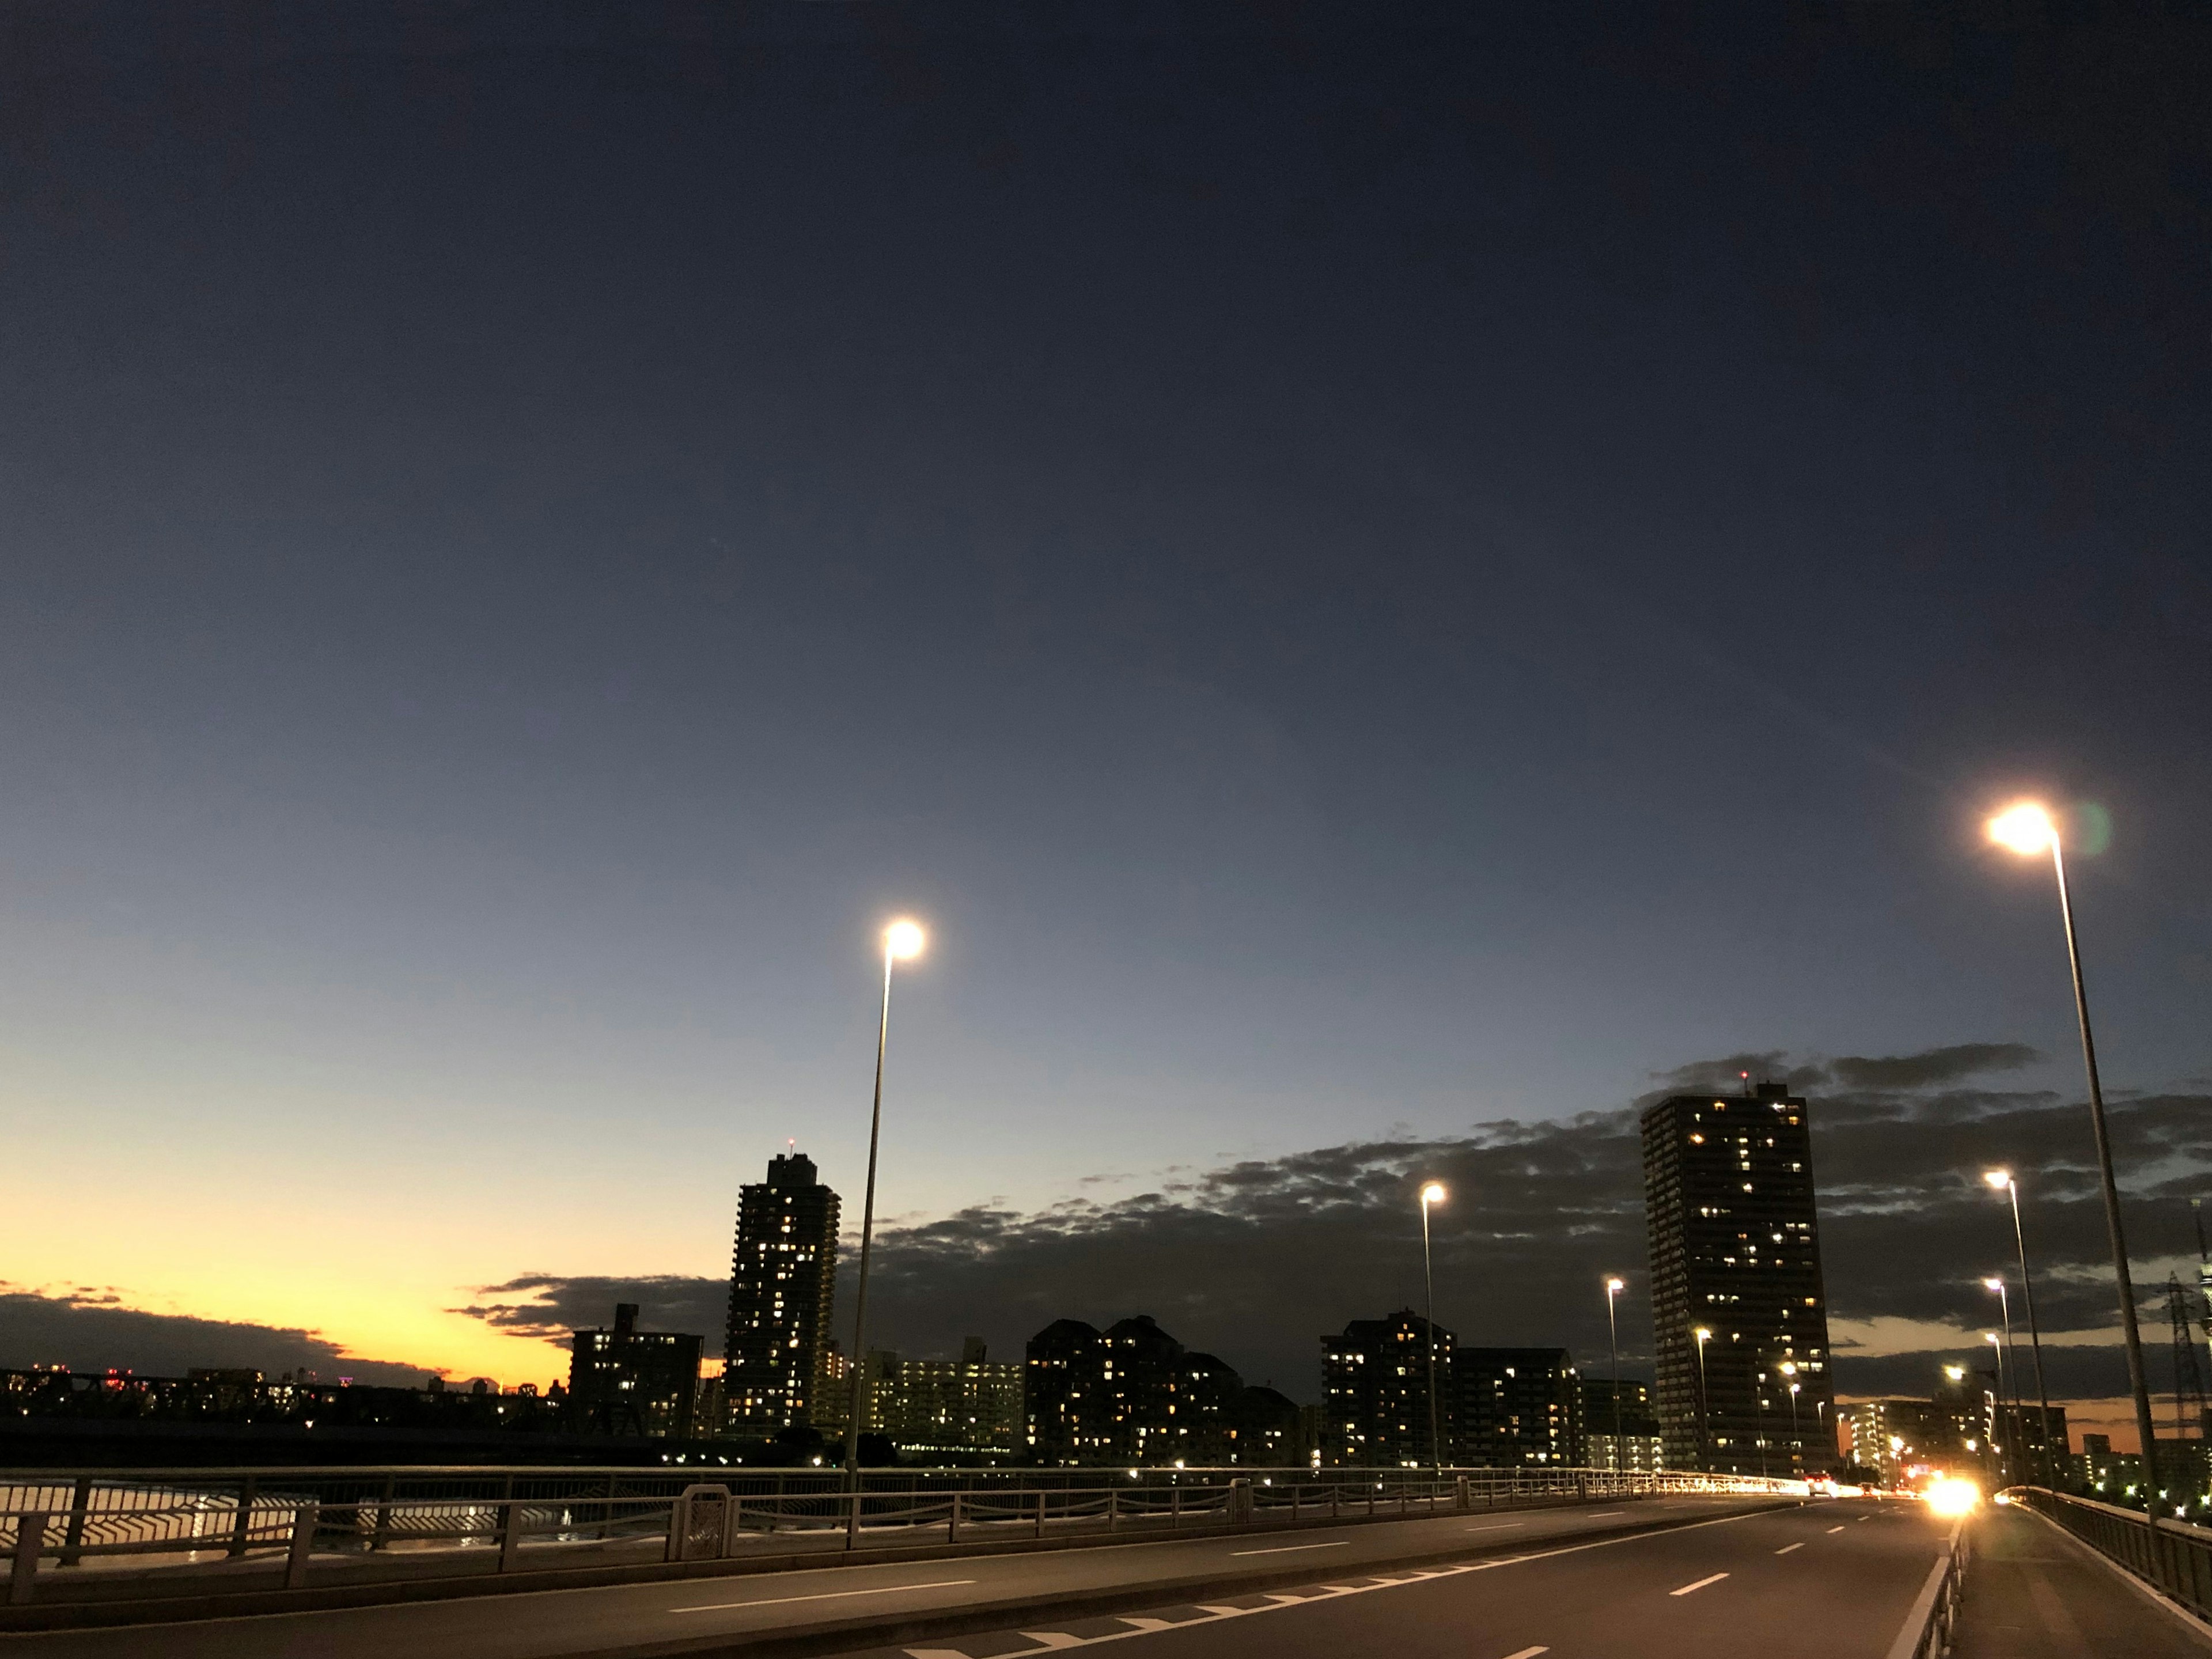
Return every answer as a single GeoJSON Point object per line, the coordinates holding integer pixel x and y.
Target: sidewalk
{"type": "Point", "coordinates": [2034, 1593]}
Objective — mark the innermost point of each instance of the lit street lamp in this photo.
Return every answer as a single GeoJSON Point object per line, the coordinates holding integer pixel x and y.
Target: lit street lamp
{"type": "Point", "coordinates": [1431, 1193]}
{"type": "Point", "coordinates": [901, 940]}
{"type": "Point", "coordinates": [1614, 1287]}
{"type": "Point", "coordinates": [2027, 829]}
{"type": "Point", "coordinates": [2012, 1355]}
{"type": "Point", "coordinates": [2002, 1180]}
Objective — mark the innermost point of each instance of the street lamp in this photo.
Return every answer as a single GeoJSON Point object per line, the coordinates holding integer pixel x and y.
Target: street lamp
{"type": "Point", "coordinates": [2002, 1180]}
{"type": "Point", "coordinates": [2027, 829]}
{"type": "Point", "coordinates": [903, 941]}
{"type": "Point", "coordinates": [1614, 1287]}
{"type": "Point", "coordinates": [1704, 1407]}
{"type": "Point", "coordinates": [1431, 1193]}
{"type": "Point", "coordinates": [2012, 1355]}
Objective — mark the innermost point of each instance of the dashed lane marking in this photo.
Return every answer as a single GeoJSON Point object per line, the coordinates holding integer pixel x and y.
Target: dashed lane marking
{"type": "Point", "coordinates": [1786, 1548]}
{"type": "Point", "coordinates": [1832, 1531]}
{"type": "Point", "coordinates": [827, 1596]}
{"type": "Point", "coordinates": [1291, 1549]}
{"type": "Point", "coordinates": [1054, 1641]}
{"type": "Point", "coordinates": [1498, 1526]}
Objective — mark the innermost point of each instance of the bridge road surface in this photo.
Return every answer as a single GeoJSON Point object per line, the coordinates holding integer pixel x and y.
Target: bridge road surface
{"type": "Point", "coordinates": [1827, 1577]}
{"type": "Point", "coordinates": [725, 1613]}
{"type": "Point", "coordinates": [1828, 1581]}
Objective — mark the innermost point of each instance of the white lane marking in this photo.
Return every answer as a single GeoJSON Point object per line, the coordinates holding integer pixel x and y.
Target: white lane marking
{"type": "Point", "coordinates": [1527, 1653]}
{"type": "Point", "coordinates": [1606, 1515]}
{"type": "Point", "coordinates": [828, 1596]}
{"type": "Point", "coordinates": [1832, 1531]}
{"type": "Point", "coordinates": [1786, 1548]}
{"type": "Point", "coordinates": [1291, 1549]}
{"type": "Point", "coordinates": [1498, 1526]}
{"type": "Point", "coordinates": [1699, 1585]}
{"type": "Point", "coordinates": [1050, 1639]}
{"type": "Point", "coordinates": [1143, 1626]}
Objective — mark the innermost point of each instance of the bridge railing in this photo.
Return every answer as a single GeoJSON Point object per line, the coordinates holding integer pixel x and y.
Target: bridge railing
{"type": "Point", "coordinates": [213, 1531]}
{"type": "Point", "coordinates": [2173, 1556]}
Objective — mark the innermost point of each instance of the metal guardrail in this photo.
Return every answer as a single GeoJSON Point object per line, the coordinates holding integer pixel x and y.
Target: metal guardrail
{"type": "Point", "coordinates": [213, 1531]}
{"type": "Point", "coordinates": [2172, 1556]}
{"type": "Point", "coordinates": [1934, 1620]}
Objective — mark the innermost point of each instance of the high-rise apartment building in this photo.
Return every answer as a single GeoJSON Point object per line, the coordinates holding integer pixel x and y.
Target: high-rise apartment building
{"type": "Point", "coordinates": [1739, 1310]}
{"type": "Point", "coordinates": [1132, 1394]}
{"type": "Point", "coordinates": [625, 1381]}
{"type": "Point", "coordinates": [1516, 1408]}
{"type": "Point", "coordinates": [1375, 1391]}
{"type": "Point", "coordinates": [966, 1409]}
{"type": "Point", "coordinates": [783, 1277]}
{"type": "Point", "coordinates": [1619, 1428]}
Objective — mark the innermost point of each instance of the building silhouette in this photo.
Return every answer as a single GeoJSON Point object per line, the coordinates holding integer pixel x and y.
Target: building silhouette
{"type": "Point", "coordinates": [1517, 1408]}
{"type": "Point", "coordinates": [1636, 1447]}
{"type": "Point", "coordinates": [1735, 1252]}
{"type": "Point", "coordinates": [782, 1279]}
{"type": "Point", "coordinates": [1375, 1393]}
{"type": "Point", "coordinates": [1132, 1394]}
{"type": "Point", "coordinates": [1063, 1394]}
{"type": "Point", "coordinates": [625, 1381]}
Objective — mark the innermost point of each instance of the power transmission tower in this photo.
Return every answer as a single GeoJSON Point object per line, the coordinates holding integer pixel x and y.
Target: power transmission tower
{"type": "Point", "coordinates": [2188, 1375]}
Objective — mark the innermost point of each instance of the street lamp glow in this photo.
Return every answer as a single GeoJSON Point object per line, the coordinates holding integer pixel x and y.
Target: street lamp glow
{"type": "Point", "coordinates": [2024, 828]}
{"type": "Point", "coordinates": [1432, 1194]}
{"type": "Point", "coordinates": [1993, 1284]}
{"type": "Point", "coordinates": [1998, 1179]}
{"type": "Point", "coordinates": [1615, 1286]}
{"type": "Point", "coordinates": [903, 941]}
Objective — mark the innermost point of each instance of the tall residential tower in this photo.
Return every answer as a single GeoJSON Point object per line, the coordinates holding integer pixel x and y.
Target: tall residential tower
{"type": "Point", "coordinates": [1735, 1255]}
{"type": "Point", "coordinates": [782, 1275]}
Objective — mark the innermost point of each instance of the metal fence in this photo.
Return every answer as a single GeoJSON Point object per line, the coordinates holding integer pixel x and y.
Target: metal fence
{"type": "Point", "coordinates": [214, 1530]}
{"type": "Point", "coordinates": [2175, 1556]}
{"type": "Point", "coordinates": [1932, 1624]}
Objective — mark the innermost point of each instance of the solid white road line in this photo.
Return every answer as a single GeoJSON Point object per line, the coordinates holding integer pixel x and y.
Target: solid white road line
{"type": "Point", "coordinates": [1699, 1585]}
{"type": "Point", "coordinates": [830, 1595]}
{"type": "Point", "coordinates": [1786, 1548]}
{"type": "Point", "coordinates": [1289, 1549]}
{"type": "Point", "coordinates": [1527, 1653]}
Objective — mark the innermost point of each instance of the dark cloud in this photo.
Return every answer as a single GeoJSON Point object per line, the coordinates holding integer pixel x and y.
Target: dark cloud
{"type": "Point", "coordinates": [551, 1307]}
{"type": "Point", "coordinates": [1255, 1260]}
{"type": "Point", "coordinates": [89, 1328]}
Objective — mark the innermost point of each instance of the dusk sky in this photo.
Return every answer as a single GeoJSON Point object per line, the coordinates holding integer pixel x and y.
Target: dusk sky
{"type": "Point", "coordinates": [1379, 586]}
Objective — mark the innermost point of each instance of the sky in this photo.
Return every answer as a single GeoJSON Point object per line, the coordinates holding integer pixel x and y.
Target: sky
{"type": "Point", "coordinates": [1384, 587]}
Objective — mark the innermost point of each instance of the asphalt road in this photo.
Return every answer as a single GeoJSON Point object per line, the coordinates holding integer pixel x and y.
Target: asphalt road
{"type": "Point", "coordinates": [1829, 1581]}
{"type": "Point", "coordinates": [2034, 1593]}
{"type": "Point", "coordinates": [700, 1614]}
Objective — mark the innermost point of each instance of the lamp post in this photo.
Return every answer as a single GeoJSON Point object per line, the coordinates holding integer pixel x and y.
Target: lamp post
{"type": "Point", "coordinates": [1788, 1371]}
{"type": "Point", "coordinates": [2027, 829]}
{"type": "Point", "coordinates": [2002, 1180]}
{"type": "Point", "coordinates": [901, 940]}
{"type": "Point", "coordinates": [1997, 1407]}
{"type": "Point", "coordinates": [2012, 1357]}
{"type": "Point", "coordinates": [1761, 1386]}
{"type": "Point", "coordinates": [1614, 1287]}
{"type": "Point", "coordinates": [1431, 1193]}
{"type": "Point", "coordinates": [1705, 1412]}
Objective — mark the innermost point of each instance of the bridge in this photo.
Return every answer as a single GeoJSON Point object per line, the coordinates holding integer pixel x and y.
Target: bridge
{"type": "Point", "coordinates": [1194, 1565]}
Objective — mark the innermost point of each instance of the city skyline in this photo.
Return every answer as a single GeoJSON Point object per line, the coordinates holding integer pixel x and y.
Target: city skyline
{"type": "Point", "coordinates": [1386, 586]}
